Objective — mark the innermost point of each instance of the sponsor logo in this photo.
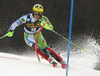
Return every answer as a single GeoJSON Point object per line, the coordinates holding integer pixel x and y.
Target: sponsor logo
{"type": "Point", "coordinates": [19, 22]}
{"type": "Point", "coordinates": [22, 20]}
{"type": "Point", "coordinates": [32, 25]}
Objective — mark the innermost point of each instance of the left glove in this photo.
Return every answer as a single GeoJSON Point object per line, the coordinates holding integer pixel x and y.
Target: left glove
{"type": "Point", "coordinates": [46, 25]}
{"type": "Point", "coordinates": [10, 33]}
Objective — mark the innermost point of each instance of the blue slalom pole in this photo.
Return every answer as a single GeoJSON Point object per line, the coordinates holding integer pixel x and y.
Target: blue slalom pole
{"type": "Point", "coordinates": [70, 29]}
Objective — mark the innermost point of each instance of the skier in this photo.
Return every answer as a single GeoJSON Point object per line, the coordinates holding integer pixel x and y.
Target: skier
{"type": "Point", "coordinates": [33, 22]}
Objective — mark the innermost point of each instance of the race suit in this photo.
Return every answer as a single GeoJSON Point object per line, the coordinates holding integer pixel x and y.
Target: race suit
{"type": "Point", "coordinates": [31, 28]}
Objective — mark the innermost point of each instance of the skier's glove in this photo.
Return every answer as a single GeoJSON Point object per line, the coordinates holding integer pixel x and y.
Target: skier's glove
{"type": "Point", "coordinates": [46, 26]}
{"type": "Point", "coordinates": [10, 33]}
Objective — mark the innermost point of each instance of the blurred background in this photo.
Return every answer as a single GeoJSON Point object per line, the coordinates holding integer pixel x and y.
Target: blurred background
{"type": "Point", "coordinates": [85, 30]}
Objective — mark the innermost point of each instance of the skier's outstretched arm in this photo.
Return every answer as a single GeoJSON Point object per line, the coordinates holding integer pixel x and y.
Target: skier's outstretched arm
{"type": "Point", "coordinates": [18, 22]}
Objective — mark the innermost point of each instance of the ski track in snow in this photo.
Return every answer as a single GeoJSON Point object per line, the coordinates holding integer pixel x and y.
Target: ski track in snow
{"type": "Point", "coordinates": [14, 65]}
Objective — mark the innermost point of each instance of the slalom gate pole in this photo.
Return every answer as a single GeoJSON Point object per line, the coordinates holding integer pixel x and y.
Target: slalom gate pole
{"type": "Point", "coordinates": [70, 29]}
{"type": "Point", "coordinates": [36, 41]}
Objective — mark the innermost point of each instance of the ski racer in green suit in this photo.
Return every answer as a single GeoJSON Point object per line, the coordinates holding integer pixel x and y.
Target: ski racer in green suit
{"type": "Point", "coordinates": [33, 22]}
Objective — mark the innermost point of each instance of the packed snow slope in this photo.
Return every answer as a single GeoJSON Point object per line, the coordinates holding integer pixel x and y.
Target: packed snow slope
{"type": "Point", "coordinates": [14, 65]}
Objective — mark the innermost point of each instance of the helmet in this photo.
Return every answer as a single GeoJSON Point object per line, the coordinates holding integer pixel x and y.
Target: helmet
{"type": "Point", "coordinates": [38, 9]}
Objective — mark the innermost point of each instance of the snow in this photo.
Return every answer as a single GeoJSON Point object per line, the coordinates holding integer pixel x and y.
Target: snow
{"type": "Point", "coordinates": [14, 65]}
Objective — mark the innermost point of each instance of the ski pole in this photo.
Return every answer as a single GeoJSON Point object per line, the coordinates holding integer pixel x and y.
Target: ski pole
{"type": "Point", "coordinates": [70, 42]}
{"type": "Point", "coordinates": [9, 34]}
{"type": "Point", "coordinates": [3, 36]}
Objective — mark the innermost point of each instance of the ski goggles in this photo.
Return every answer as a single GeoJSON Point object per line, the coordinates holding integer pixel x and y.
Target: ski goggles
{"type": "Point", "coordinates": [37, 13]}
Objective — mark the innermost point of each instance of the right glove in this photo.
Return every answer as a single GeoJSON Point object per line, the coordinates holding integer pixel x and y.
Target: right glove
{"type": "Point", "coordinates": [10, 33]}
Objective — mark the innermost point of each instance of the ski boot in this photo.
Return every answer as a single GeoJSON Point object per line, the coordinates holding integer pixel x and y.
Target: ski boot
{"type": "Point", "coordinates": [51, 61]}
{"type": "Point", "coordinates": [63, 63]}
